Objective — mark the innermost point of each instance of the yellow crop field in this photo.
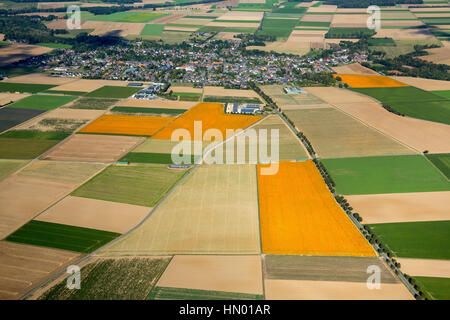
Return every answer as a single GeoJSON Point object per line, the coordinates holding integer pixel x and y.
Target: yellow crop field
{"type": "Point", "coordinates": [212, 116]}
{"type": "Point", "coordinates": [128, 125]}
{"type": "Point", "coordinates": [299, 215]}
{"type": "Point", "coordinates": [363, 81]}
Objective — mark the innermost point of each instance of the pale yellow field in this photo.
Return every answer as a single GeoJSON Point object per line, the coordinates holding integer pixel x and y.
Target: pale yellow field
{"type": "Point", "coordinates": [220, 91]}
{"type": "Point", "coordinates": [354, 68]}
{"type": "Point", "coordinates": [88, 85]}
{"type": "Point", "coordinates": [233, 24]}
{"type": "Point", "coordinates": [438, 55]}
{"type": "Point", "coordinates": [425, 84]}
{"type": "Point", "coordinates": [19, 51]}
{"type": "Point", "coordinates": [168, 104]}
{"type": "Point", "coordinates": [6, 97]}
{"type": "Point", "coordinates": [349, 21]}
{"type": "Point", "coordinates": [40, 78]}
{"type": "Point", "coordinates": [121, 29]}
{"type": "Point", "coordinates": [407, 34]}
{"type": "Point", "coordinates": [425, 267]}
{"type": "Point", "coordinates": [317, 18]}
{"type": "Point", "coordinates": [323, 8]}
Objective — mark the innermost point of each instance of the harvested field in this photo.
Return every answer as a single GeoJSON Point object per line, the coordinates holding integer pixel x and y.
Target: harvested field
{"type": "Point", "coordinates": [9, 166]}
{"type": "Point", "coordinates": [39, 78]}
{"type": "Point", "coordinates": [188, 21]}
{"type": "Point", "coordinates": [50, 180]}
{"type": "Point", "coordinates": [417, 134]}
{"type": "Point", "coordinates": [386, 174]}
{"type": "Point", "coordinates": [160, 146]}
{"type": "Point", "coordinates": [118, 29]}
{"type": "Point", "coordinates": [363, 81]}
{"type": "Point", "coordinates": [23, 267]}
{"type": "Point", "coordinates": [113, 279]}
{"type": "Point", "coordinates": [324, 8]}
{"type": "Point", "coordinates": [95, 214]}
{"type": "Point", "coordinates": [126, 125]}
{"type": "Point", "coordinates": [354, 68]}
{"type": "Point", "coordinates": [220, 91]}
{"type": "Point", "coordinates": [424, 84]}
{"type": "Point", "coordinates": [113, 92]}
{"type": "Point", "coordinates": [332, 290]}
{"type": "Point", "coordinates": [91, 103]}
{"type": "Point", "coordinates": [88, 85]}
{"type": "Point", "coordinates": [353, 21]}
{"type": "Point", "coordinates": [212, 116]}
{"type": "Point", "coordinates": [227, 223]}
{"type": "Point", "coordinates": [216, 273]}
{"type": "Point", "coordinates": [60, 236]}
{"type": "Point", "coordinates": [7, 98]}
{"type": "Point", "coordinates": [425, 267]}
{"type": "Point", "coordinates": [317, 18]}
{"type": "Point", "coordinates": [242, 15]}
{"type": "Point", "coordinates": [350, 138]}
{"type": "Point", "coordinates": [158, 104]}
{"type": "Point", "coordinates": [404, 33]}
{"type": "Point", "coordinates": [19, 51]}
{"type": "Point", "coordinates": [438, 55]}
{"type": "Point", "coordinates": [11, 117]}
{"type": "Point", "coordinates": [97, 148]}
{"type": "Point", "coordinates": [166, 19]}
{"type": "Point", "coordinates": [402, 207]}
{"type": "Point", "coordinates": [168, 293]}
{"type": "Point", "coordinates": [311, 220]}
{"type": "Point", "coordinates": [424, 240]}
{"type": "Point", "coordinates": [142, 185]}
{"type": "Point", "coordinates": [289, 47]}
{"type": "Point", "coordinates": [42, 102]}
{"type": "Point", "coordinates": [352, 269]}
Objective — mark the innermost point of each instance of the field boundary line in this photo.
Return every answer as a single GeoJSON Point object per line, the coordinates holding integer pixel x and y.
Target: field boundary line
{"type": "Point", "coordinates": [436, 167]}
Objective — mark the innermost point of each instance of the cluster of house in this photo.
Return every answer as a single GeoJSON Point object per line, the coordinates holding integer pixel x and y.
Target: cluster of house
{"type": "Point", "coordinates": [148, 92]}
{"type": "Point", "coordinates": [243, 108]}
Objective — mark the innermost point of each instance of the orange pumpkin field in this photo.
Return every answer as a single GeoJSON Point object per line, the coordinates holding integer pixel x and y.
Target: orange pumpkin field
{"type": "Point", "coordinates": [300, 216]}
{"type": "Point", "coordinates": [361, 81]}
{"type": "Point", "coordinates": [128, 125]}
{"type": "Point", "coordinates": [212, 116]}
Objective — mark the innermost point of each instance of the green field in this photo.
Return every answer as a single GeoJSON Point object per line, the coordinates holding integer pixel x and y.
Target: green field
{"type": "Point", "coordinates": [348, 33]}
{"type": "Point", "coordinates": [148, 110]}
{"type": "Point", "coordinates": [146, 157]}
{"type": "Point", "coordinates": [434, 288]}
{"type": "Point", "coordinates": [424, 240]}
{"type": "Point", "coordinates": [289, 7]}
{"type": "Point", "coordinates": [442, 93]}
{"type": "Point", "coordinates": [152, 30]}
{"type": "Point", "coordinates": [313, 24]}
{"type": "Point", "coordinates": [412, 102]}
{"type": "Point", "coordinates": [24, 87]}
{"type": "Point", "coordinates": [69, 93]}
{"type": "Point", "coordinates": [124, 16]}
{"type": "Point", "coordinates": [92, 103]}
{"type": "Point", "coordinates": [168, 293]}
{"type": "Point", "coordinates": [42, 102]}
{"type": "Point", "coordinates": [23, 144]}
{"type": "Point", "coordinates": [55, 45]}
{"type": "Point", "coordinates": [9, 166]}
{"type": "Point", "coordinates": [280, 28]}
{"type": "Point", "coordinates": [188, 96]}
{"type": "Point", "coordinates": [113, 279]}
{"type": "Point", "coordinates": [442, 161]}
{"type": "Point", "coordinates": [385, 174]}
{"type": "Point", "coordinates": [142, 185]}
{"type": "Point", "coordinates": [113, 92]}
{"type": "Point", "coordinates": [231, 99]}
{"type": "Point", "coordinates": [382, 42]}
{"type": "Point", "coordinates": [61, 236]}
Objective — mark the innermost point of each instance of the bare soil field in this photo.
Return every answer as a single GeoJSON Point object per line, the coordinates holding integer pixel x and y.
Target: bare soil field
{"type": "Point", "coordinates": [323, 8]}
{"type": "Point", "coordinates": [408, 34]}
{"type": "Point", "coordinates": [432, 9]}
{"type": "Point", "coordinates": [234, 24]}
{"type": "Point", "coordinates": [166, 104]}
{"type": "Point", "coordinates": [354, 68]}
{"type": "Point", "coordinates": [160, 146]}
{"type": "Point", "coordinates": [242, 15]}
{"type": "Point", "coordinates": [323, 268]}
{"type": "Point", "coordinates": [290, 47]}
{"type": "Point", "coordinates": [425, 267]}
{"type": "Point", "coordinates": [438, 55]}
{"type": "Point", "coordinates": [401, 23]}
{"type": "Point", "coordinates": [335, 134]}
{"type": "Point", "coordinates": [214, 210]}
{"type": "Point", "coordinates": [93, 147]}
{"type": "Point", "coordinates": [167, 19]}
{"type": "Point", "coordinates": [226, 35]}
{"type": "Point", "coordinates": [189, 21]}
{"type": "Point", "coordinates": [88, 85]}
{"type": "Point", "coordinates": [425, 84]}
{"type": "Point", "coordinates": [95, 214]}
{"type": "Point", "coordinates": [186, 89]}
{"type": "Point", "coordinates": [37, 186]}
{"type": "Point", "coordinates": [433, 15]}
{"type": "Point", "coordinates": [171, 28]}
{"type": "Point", "coordinates": [317, 18]}
{"type": "Point", "coordinates": [20, 51]}
{"type": "Point", "coordinates": [219, 273]}
{"type": "Point", "coordinates": [6, 97]}
{"type": "Point", "coordinates": [417, 134]}
{"type": "Point", "coordinates": [332, 290]}
{"type": "Point", "coordinates": [23, 267]}
{"type": "Point", "coordinates": [220, 91]}
{"type": "Point", "coordinates": [39, 78]}
{"type": "Point", "coordinates": [49, 120]}
{"type": "Point", "coordinates": [402, 207]}
{"type": "Point", "coordinates": [57, 24]}
{"type": "Point", "coordinates": [121, 29]}
{"type": "Point", "coordinates": [346, 21]}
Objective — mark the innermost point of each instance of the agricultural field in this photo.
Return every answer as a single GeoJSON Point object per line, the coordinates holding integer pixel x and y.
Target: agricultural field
{"type": "Point", "coordinates": [279, 28]}
{"type": "Point", "coordinates": [11, 117]}
{"type": "Point", "coordinates": [301, 208]}
{"type": "Point", "coordinates": [9, 166]}
{"type": "Point", "coordinates": [93, 147]}
{"type": "Point", "coordinates": [24, 87]}
{"type": "Point", "coordinates": [435, 288]}
{"type": "Point", "coordinates": [412, 102]}
{"type": "Point", "coordinates": [143, 110]}
{"type": "Point", "coordinates": [152, 30]}
{"type": "Point", "coordinates": [91, 103]}
{"type": "Point", "coordinates": [23, 144]}
{"type": "Point", "coordinates": [126, 16]}
{"type": "Point", "coordinates": [363, 81]}
{"type": "Point", "coordinates": [385, 174]}
{"type": "Point", "coordinates": [113, 279]}
{"type": "Point", "coordinates": [113, 92]}
{"type": "Point", "coordinates": [42, 102]}
{"type": "Point", "coordinates": [60, 236]}
{"type": "Point", "coordinates": [227, 223]}
{"type": "Point", "coordinates": [424, 239]}
{"type": "Point", "coordinates": [212, 116]}
{"type": "Point", "coordinates": [442, 162]}
{"type": "Point", "coordinates": [142, 185]}
{"type": "Point", "coordinates": [167, 293]}
{"type": "Point", "coordinates": [333, 134]}
{"type": "Point", "coordinates": [126, 125]}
